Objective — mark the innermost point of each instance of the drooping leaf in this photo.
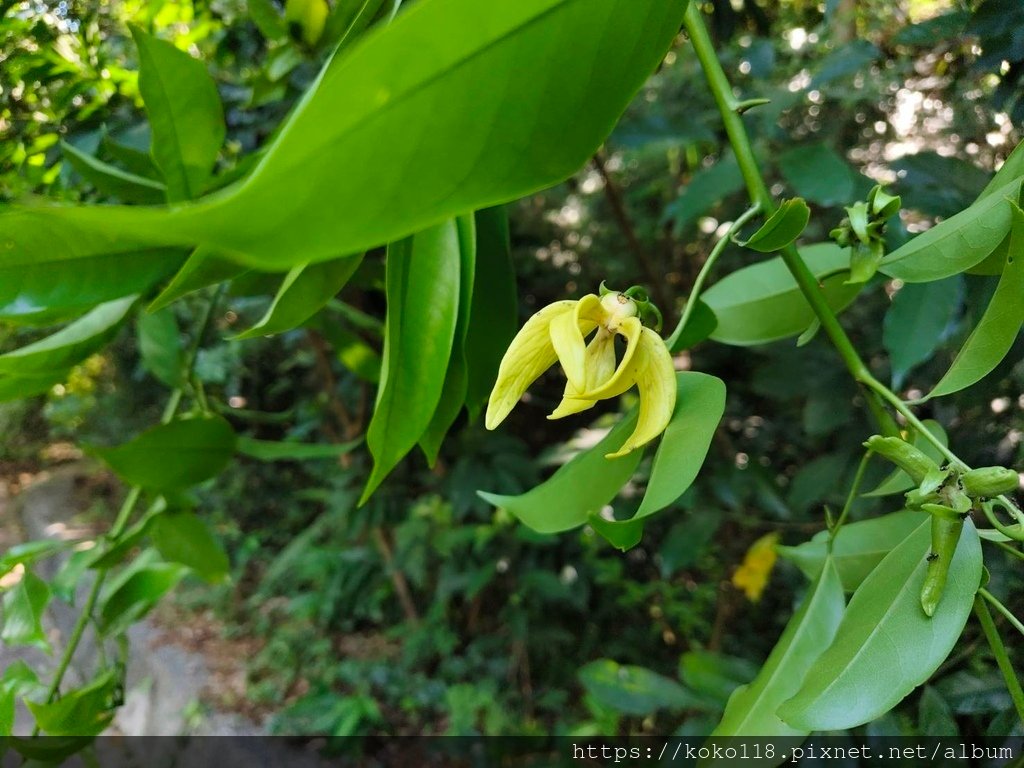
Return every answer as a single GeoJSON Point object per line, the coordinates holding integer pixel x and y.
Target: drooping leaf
{"type": "Point", "coordinates": [202, 268]}
{"type": "Point", "coordinates": [422, 296]}
{"type": "Point", "coordinates": [133, 592]}
{"type": "Point", "coordinates": [782, 227]}
{"type": "Point", "coordinates": [899, 481]}
{"type": "Point", "coordinates": [818, 173]}
{"type": "Point", "coordinates": [303, 292]}
{"type": "Point", "coordinates": [23, 606]}
{"type": "Point", "coordinates": [71, 345]}
{"type": "Point", "coordinates": [581, 487]}
{"type": "Point", "coordinates": [84, 711]}
{"type": "Point", "coordinates": [632, 690]}
{"type": "Point", "coordinates": [762, 303]}
{"type": "Point", "coordinates": [185, 114]}
{"type": "Point", "coordinates": [885, 645]}
{"type": "Point", "coordinates": [173, 456]}
{"type": "Point", "coordinates": [918, 321]}
{"type": "Point", "coordinates": [995, 333]}
{"type": "Point", "coordinates": [956, 244]}
{"type": "Point", "coordinates": [492, 319]}
{"type": "Point", "coordinates": [751, 710]}
{"type": "Point", "coordinates": [160, 346]}
{"type": "Point", "coordinates": [285, 450]}
{"type": "Point", "coordinates": [857, 549]}
{"type": "Point", "coordinates": [110, 180]}
{"type": "Point", "coordinates": [183, 537]}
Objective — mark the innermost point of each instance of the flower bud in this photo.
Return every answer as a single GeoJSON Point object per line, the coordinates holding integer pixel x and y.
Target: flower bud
{"type": "Point", "coordinates": [986, 482]}
{"type": "Point", "coordinates": [904, 455]}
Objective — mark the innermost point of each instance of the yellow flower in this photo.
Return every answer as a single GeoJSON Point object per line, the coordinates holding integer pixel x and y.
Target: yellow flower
{"type": "Point", "coordinates": [752, 575]}
{"type": "Point", "coordinates": [559, 331]}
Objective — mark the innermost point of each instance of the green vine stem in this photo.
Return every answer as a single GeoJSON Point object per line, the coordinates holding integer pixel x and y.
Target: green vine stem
{"type": "Point", "coordinates": [850, 497]}
{"type": "Point", "coordinates": [705, 271]}
{"type": "Point", "coordinates": [994, 601]}
{"type": "Point", "coordinates": [999, 651]}
{"type": "Point", "coordinates": [127, 507]}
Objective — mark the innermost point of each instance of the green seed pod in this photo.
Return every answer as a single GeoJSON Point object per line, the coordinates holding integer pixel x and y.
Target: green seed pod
{"type": "Point", "coordinates": [946, 529]}
{"type": "Point", "coordinates": [903, 455]}
{"type": "Point", "coordinates": [986, 482]}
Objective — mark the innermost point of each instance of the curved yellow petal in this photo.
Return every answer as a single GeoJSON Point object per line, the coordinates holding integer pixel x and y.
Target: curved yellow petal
{"type": "Point", "coordinates": [527, 357]}
{"type": "Point", "coordinates": [634, 360]}
{"type": "Point", "coordinates": [599, 364]}
{"type": "Point", "coordinates": [567, 333]}
{"type": "Point", "coordinates": [657, 385]}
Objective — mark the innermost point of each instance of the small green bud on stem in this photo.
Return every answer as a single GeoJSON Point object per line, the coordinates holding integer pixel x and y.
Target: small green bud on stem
{"type": "Point", "coordinates": [903, 455]}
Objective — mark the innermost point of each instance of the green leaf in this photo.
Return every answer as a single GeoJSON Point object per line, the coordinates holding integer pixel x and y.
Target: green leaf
{"type": "Point", "coordinates": [110, 180]}
{"type": "Point", "coordinates": [17, 680]}
{"type": "Point", "coordinates": [23, 606]}
{"type": "Point", "coordinates": [493, 314]}
{"type": "Point", "coordinates": [700, 403]}
{"type": "Point", "coordinates": [183, 537]}
{"type": "Point", "coordinates": [751, 710]}
{"type": "Point", "coordinates": [30, 552]}
{"type": "Point", "coordinates": [133, 592]}
{"type": "Point", "coordinates": [185, 114]}
{"type": "Point", "coordinates": [269, 450]}
{"type": "Point", "coordinates": [857, 549]}
{"type": "Point", "coordinates": [422, 296]}
{"type": "Point", "coordinates": [995, 333]}
{"type": "Point", "coordinates": [456, 381]}
{"type": "Point", "coordinates": [935, 716]}
{"type": "Point", "coordinates": [172, 456]}
{"type": "Point", "coordinates": [918, 321]}
{"type": "Point", "coordinates": [349, 19]}
{"type": "Point", "coordinates": [267, 19]}
{"type": "Point", "coordinates": [567, 69]}
{"type": "Point", "coordinates": [579, 488]}
{"type": "Point", "coordinates": [885, 645]}
{"type": "Point", "coordinates": [160, 346]}
{"type": "Point", "coordinates": [707, 188]}
{"type": "Point", "coordinates": [303, 292]}
{"type": "Point", "coordinates": [202, 268]}
{"type": "Point", "coordinates": [632, 690]}
{"type": "Point", "coordinates": [1011, 170]}
{"type": "Point", "coordinates": [71, 345]}
{"type": "Point", "coordinates": [762, 303]}
{"type": "Point", "coordinates": [84, 711]}
{"type": "Point", "coordinates": [714, 676]}
{"type": "Point", "coordinates": [818, 173]}
{"type": "Point", "coordinates": [899, 481]}
{"type": "Point", "coordinates": [782, 228]}
{"type": "Point", "coordinates": [958, 243]}
{"type": "Point", "coordinates": [20, 387]}
{"type": "Point", "coordinates": [701, 325]}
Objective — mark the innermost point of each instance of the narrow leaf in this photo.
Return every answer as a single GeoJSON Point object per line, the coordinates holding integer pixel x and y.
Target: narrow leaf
{"type": "Point", "coordinates": [110, 180]}
{"type": "Point", "coordinates": [782, 228]}
{"type": "Point", "coordinates": [202, 268]}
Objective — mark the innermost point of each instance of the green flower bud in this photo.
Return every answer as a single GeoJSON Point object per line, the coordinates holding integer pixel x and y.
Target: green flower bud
{"type": "Point", "coordinates": [946, 529]}
{"type": "Point", "coordinates": [903, 455]}
{"type": "Point", "coordinates": [986, 482]}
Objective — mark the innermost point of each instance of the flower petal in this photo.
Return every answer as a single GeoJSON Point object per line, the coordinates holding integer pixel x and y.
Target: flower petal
{"type": "Point", "coordinates": [528, 356]}
{"type": "Point", "coordinates": [634, 360]}
{"type": "Point", "coordinates": [657, 384]}
{"type": "Point", "coordinates": [567, 332]}
{"type": "Point", "coordinates": [599, 364]}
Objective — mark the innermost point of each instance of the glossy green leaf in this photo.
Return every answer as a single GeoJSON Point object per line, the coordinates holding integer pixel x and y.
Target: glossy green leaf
{"type": "Point", "coordinates": [885, 645]}
{"type": "Point", "coordinates": [581, 487]}
{"type": "Point", "coordinates": [699, 326]}
{"type": "Point", "coordinates": [23, 606]}
{"type": "Point", "coordinates": [493, 314]}
{"type": "Point", "coordinates": [899, 481]}
{"type": "Point", "coordinates": [160, 346]}
{"type": "Point", "coordinates": [958, 243]}
{"type": "Point", "coordinates": [110, 180]}
{"type": "Point", "coordinates": [917, 323]}
{"type": "Point", "coordinates": [818, 173]}
{"type": "Point", "coordinates": [183, 537]}
{"type": "Point", "coordinates": [30, 552]}
{"type": "Point", "coordinates": [857, 549]}
{"type": "Point", "coordinates": [991, 340]}
{"type": "Point", "coordinates": [349, 19]}
{"type": "Point", "coordinates": [303, 292]}
{"type": "Point", "coordinates": [1011, 170]}
{"type": "Point", "coordinates": [81, 712]}
{"type": "Point", "coordinates": [456, 381]}
{"type": "Point", "coordinates": [751, 710]}
{"type": "Point", "coordinates": [285, 450]}
{"type": "Point", "coordinates": [172, 456]}
{"type": "Point", "coordinates": [185, 114]}
{"type": "Point", "coordinates": [782, 228]}
{"type": "Point", "coordinates": [566, 68]}
{"type": "Point", "coordinates": [632, 690]}
{"type": "Point", "coordinates": [70, 345]}
{"type": "Point", "coordinates": [762, 303]}
{"type": "Point", "coordinates": [133, 592]}
{"type": "Point", "coordinates": [423, 275]}
{"type": "Point", "coordinates": [202, 268]}
{"type": "Point", "coordinates": [18, 680]}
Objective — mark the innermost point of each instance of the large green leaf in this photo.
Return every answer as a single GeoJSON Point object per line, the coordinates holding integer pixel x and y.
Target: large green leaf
{"type": "Point", "coordinates": [183, 537]}
{"type": "Point", "coordinates": [110, 180]}
{"type": "Point", "coordinates": [762, 302]}
{"type": "Point", "coordinates": [415, 101]}
{"type": "Point", "coordinates": [303, 292]}
{"type": "Point", "coordinates": [917, 322]}
{"type": "Point", "coordinates": [453, 393]}
{"type": "Point", "coordinates": [580, 488]}
{"type": "Point", "coordinates": [23, 607]}
{"type": "Point", "coordinates": [885, 645]}
{"type": "Point", "coordinates": [632, 690]}
{"type": "Point", "coordinates": [995, 333]}
{"type": "Point", "coordinates": [857, 549]}
{"type": "Point", "coordinates": [493, 317]}
{"type": "Point", "coordinates": [70, 345]}
{"type": "Point", "coordinates": [84, 711]}
{"type": "Point", "coordinates": [160, 346]}
{"type": "Point", "coordinates": [185, 114]}
{"type": "Point", "coordinates": [423, 275]}
{"type": "Point", "coordinates": [751, 710]}
{"type": "Point", "coordinates": [133, 592]}
{"type": "Point", "coordinates": [172, 456]}
{"type": "Point", "coordinates": [958, 243]}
